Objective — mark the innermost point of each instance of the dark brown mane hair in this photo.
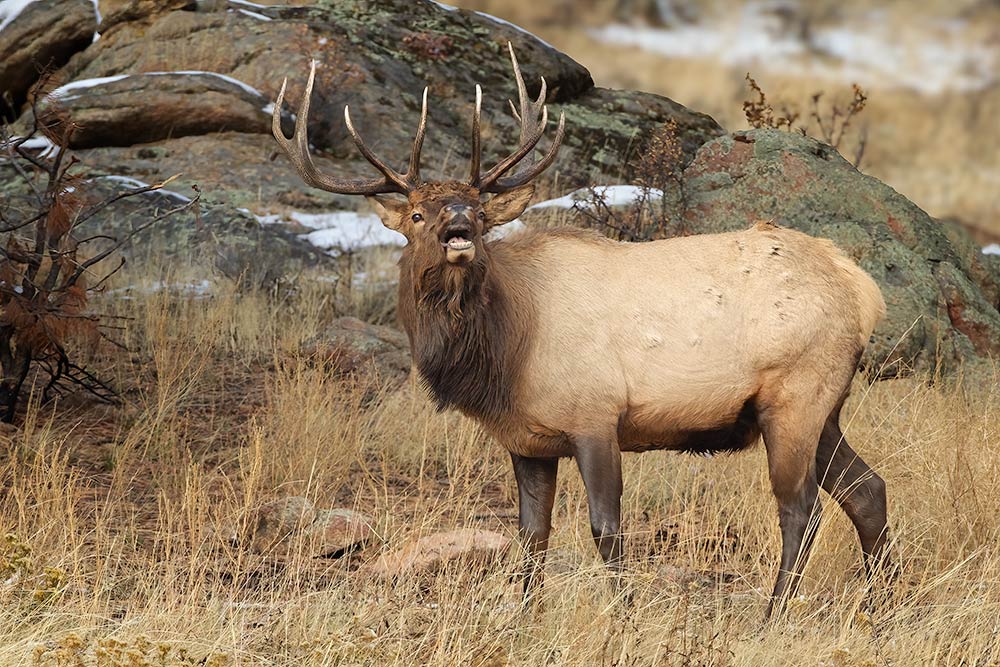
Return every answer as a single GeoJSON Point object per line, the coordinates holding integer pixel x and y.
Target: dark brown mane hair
{"type": "Point", "coordinates": [470, 329]}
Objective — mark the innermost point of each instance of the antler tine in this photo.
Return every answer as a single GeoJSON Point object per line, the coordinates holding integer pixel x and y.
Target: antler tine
{"type": "Point", "coordinates": [532, 129]}
{"type": "Point", "coordinates": [412, 175]}
{"type": "Point", "coordinates": [391, 174]}
{"type": "Point", "coordinates": [297, 150]}
{"type": "Point", "coordinates": [477, 151]}
{"type": "Point", "coordinates": [526, 175]}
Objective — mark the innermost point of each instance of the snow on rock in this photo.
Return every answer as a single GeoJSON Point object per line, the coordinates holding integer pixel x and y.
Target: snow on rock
{"type": "Point", "coordinates": [613, 195]}
{"type": "Point", "coordinates": [255, 15]}
{"type": "Point", "coordinates": [347, 231]}
{"type": "Point", "coordinates": [136, 183]}
{"type": "Point", "coordinates": [98, 17]}
{"type": "Point", "coordinates": [930, 59]}
{"type": "Point", "coordinates": [495, 19]}
{"type": "Point", "coordinates": [199, 289]}
{"type": "Point", "coordinates": [10, 10]}
{"type": "Point", "coordinates": [992, 249]}
{"type": "Point", "coordinates": [42, 143]}
{"type": "Point", "coordinates": [60, 92]}
{"type": "Point", "coordinates": [246, 3]}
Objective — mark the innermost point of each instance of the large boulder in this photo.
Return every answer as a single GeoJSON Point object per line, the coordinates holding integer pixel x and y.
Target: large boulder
{"type": "Point", "coordinates": [114, 12]}
{"type": "Point", "coordinates": [371, 354]}
{"type": "Point", "coordinates": [43, 35]}
{"type": "Point", "coordinates": [942, 295]}
{"type": "Point", "coordinates": [130, 109]}
{"type": "Point", "coordinates": [212, 235]}
{"type": "Point", "coordinates": [378, 55]}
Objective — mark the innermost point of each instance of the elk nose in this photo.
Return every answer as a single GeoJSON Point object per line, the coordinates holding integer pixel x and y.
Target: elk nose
{"type": "Point", "coordinates": [453, 212]}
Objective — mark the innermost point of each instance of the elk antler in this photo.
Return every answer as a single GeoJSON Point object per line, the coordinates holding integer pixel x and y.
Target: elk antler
{"type": "Point", "coordinates": [533, 115]}
{"type": "Point", "coordinates": [297, 150]}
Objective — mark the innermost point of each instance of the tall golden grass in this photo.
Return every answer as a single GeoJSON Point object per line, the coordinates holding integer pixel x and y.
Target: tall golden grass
{"type": "Point", "coordinates": [118, 524]}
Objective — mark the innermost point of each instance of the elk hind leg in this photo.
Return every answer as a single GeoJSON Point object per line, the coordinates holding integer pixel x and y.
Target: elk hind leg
{"type": "Point", "coordinates": [857, 488]}
{"type": "Point", "coordinates": [791, 441]}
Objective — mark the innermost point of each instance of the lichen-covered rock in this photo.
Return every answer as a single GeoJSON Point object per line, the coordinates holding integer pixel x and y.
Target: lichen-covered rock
{"type": "Point", "coordinates": [941, 295]}
{"type": "Point", "coordinates": [140, 108]}
{"type": "Point", "coordinates": [373, 354]}
{"type": "Point", "coordinates": [378, 55]}
{"type": "Point", "coordinates": [213, 235]}
{"type": "Point", "coordinates": [44, 35]}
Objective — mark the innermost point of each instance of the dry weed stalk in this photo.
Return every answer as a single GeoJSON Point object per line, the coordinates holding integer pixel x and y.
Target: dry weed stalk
{"type": "Point", "coordinates": [49, 266]}
{"type": "Point", "coordinates": [657, 211]}
{"type": "Point", "coordinates": [830, 125]}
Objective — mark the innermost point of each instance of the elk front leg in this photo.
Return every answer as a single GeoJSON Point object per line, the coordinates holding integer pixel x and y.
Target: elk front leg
{"type": "Point", "coordinates": [536, 490]}
{"type": "Point", "coordinates": [600, 463]}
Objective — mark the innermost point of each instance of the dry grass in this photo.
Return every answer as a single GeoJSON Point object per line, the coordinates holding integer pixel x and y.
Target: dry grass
{"type": "Point", "coordinates": [118, 521]}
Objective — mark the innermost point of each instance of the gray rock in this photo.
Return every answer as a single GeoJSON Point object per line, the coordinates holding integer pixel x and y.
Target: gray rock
{"type": "Point", "coordinates": [148, 107]}
{"type": "Point", "coordinates": [275, 522]}
{"type": "Point", "coordinates": [44, 35]}
{"type": "Point", "coordinates": [372, 354]}
{"type": "Point", "coordinates": [335, 532]}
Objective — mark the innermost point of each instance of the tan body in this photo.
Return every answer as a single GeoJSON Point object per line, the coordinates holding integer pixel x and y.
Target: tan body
{"type": "Point", "coordinates": [563, 343]}
{"type": "Point", "coordinates": [671, 337]}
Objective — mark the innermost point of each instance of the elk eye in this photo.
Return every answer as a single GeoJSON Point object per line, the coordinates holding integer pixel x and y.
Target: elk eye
{"type": "Point", "coordinates": [416, 217]}
{"type": "Point", "coordinates": [482, 215]}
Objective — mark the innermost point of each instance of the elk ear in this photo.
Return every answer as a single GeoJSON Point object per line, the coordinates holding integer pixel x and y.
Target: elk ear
{"type": "Point", "coordinates": [393, 212]}
{"type": "Point", "coordinates": [505, 207]}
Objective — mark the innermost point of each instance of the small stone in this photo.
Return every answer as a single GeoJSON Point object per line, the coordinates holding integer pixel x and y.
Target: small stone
{"type": "Point", "coordinates": [278, 520]}
{"type": "Point", "coordinates": [336, 532]}
{"type": "Point", "coordinates": [429, 554]}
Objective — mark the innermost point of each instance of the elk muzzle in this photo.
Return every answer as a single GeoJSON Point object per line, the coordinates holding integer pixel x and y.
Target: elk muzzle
{"type": "Point", "coordinates": [459, 229]}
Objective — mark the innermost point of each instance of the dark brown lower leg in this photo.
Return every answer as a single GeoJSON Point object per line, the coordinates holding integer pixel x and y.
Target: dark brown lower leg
{"type": "Point", "coordinates": [536, 490]}
{"type": "Point", "coordinates": [859, 490]}
{"type": "Point", "coordinates": [599, 461]}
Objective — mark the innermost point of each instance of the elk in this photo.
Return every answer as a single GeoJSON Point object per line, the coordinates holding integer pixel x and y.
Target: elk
{"type": "Point", "coordinates": [563, 343]}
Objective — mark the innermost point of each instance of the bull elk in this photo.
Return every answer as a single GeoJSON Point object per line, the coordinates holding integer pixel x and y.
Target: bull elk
{"type": "Point", "coordinates": [563, 343]}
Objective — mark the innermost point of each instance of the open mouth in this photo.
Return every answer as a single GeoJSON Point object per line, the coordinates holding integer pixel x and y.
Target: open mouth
{"type": "Point", "coordinates": [458, 238]}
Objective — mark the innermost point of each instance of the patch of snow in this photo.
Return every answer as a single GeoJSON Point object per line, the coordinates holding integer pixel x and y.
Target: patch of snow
{"type": "Point", "coordinates": [269, 219]}
{"type": "Point", "coordinates": [61, 91]}
{"type": "Point", "coordinates": [992, 249]}
{"type": "Point", "coordinates": [201, 288]}
{"type": "Point", "coordinates": [246, 3]}
{"type": "Point", "coordinates": [345, 231]}
{"type": "Point", "coordinates": [259, 17]}
{"type": "Point", "coordinates": [496, 19]}
{"type": "Point", "coordinates": [613, 195]}
{"type": "Point", "coordinates": [97, 15]}
{"type": "Point", "coordinates": [136, 183]}
{"type": "Point", "coordinates": [929, 59]}
{"type": "Point", "coordinates": [40, 142]}
{"type": "Point", "coordinates": [505, 230]}
{"type": "Point", "coordinates": [236, 82]}
{"type": "Point", "coordinates": [10, 10]}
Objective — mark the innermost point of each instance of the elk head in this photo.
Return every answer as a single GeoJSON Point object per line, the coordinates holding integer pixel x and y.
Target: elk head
{"type": "Point", "coordinates": [444, 222]}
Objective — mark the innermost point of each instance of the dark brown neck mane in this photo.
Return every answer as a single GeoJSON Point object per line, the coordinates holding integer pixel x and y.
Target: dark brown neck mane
{"type": "Point", "coordinates": [469, 329]}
